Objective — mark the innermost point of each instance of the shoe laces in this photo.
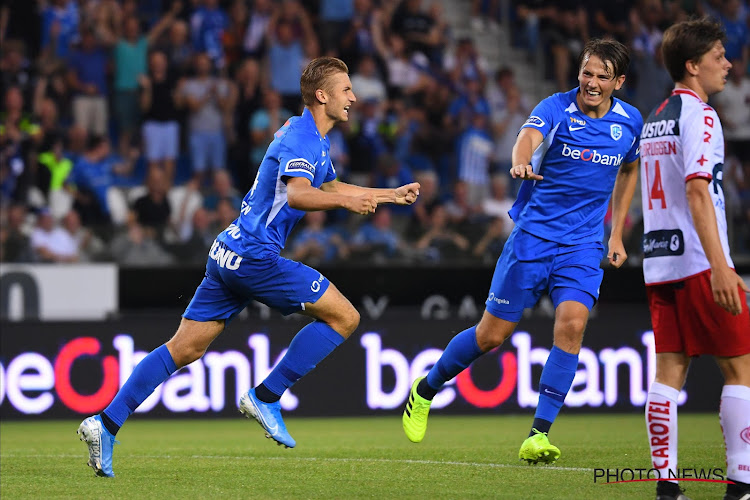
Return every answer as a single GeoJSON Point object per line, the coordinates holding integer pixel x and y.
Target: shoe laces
{"type": "Point", "coordinates": [417, 405]}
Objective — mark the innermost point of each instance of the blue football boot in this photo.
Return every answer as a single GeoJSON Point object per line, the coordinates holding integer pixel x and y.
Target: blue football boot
{"type": "Point", "coordinates": [100, 443]}
{"type": "Point", "coordinates": [268, 415]}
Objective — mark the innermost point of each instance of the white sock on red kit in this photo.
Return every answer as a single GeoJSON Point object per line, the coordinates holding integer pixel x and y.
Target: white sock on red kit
{"type": "Point", "coordinates": [735, 424]}
{"type": "Point", "coordinates": [661, 424]}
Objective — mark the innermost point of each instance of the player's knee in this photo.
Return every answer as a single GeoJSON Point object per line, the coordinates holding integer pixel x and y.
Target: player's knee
{"type": "Point", "coordinates": [189, 355]}
{"type": "Point", "coordinates": [488, 337]}
{"type": "Point", "coordinates": [736, 370]}
{"type": "Point", "coordinates": [183, 354]}
{"type": "Point", "coordinates": [576, 326]}
{"type": "Point", "coordinates": [571, 329]}
{"type": "Point", "coordinates": [349, 322]}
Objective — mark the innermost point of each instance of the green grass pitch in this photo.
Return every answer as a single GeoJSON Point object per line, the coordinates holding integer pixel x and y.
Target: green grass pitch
{"type": "Point", "coordinates": [461, 457]}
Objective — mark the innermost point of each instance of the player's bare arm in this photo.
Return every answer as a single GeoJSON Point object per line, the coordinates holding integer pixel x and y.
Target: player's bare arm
{"type": "Point", "coordinates": [528, 140]}
{"type": "Point", "coordinates": [724, 281]}
{"type": "Point", "coordinates": [622, 196]}
{"type": "Point", "coordinates": [404, 195]}
{"type": "Point", "coordinates": [301, 195]}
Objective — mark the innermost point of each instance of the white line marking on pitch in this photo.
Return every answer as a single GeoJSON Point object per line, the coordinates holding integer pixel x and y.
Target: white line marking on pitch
{"type": "Point", "coordinates": [326, 459]}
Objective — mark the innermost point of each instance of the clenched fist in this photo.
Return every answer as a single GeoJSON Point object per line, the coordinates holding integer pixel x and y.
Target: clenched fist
{"type": "Point", "coordinates": [363, 204]}
{"type": "Point", "coordinates": [407, 194]}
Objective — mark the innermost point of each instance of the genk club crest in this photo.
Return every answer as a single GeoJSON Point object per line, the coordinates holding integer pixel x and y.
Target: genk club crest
{"type": "Point", "coordinates": [615, 131]}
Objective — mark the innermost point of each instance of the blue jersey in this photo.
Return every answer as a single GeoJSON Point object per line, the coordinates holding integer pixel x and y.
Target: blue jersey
{"type": "Point", "coordinates": [579, 159]}
{"type": "Point", "coordinates": [266, 219]}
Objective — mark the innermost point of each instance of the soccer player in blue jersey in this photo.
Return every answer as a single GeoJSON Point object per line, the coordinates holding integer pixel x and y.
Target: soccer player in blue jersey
{"type": "Point", "coordinates": [296, 176]}
{"type": "Point", "coordinates": [571, 152]}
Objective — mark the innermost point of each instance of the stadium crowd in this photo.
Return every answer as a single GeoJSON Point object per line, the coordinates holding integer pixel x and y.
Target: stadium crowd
{"type": "Point", "coordinates": [131, 129]}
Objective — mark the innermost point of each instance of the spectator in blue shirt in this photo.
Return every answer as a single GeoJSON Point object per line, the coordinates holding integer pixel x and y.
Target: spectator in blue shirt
{"type": "Point", "coordinates": [317, 243]}
{"type": "Point", "coordinates": [737, 43]}
{"type": "Point", "coordinates": [207, 26]}
{"type": "Point", "coordinates": [87, 73]}
{"type": "Point", "coordinates": [392, 173]}
{"type": "Point", "coordinates": [96, 175]}
{"type": "Point", "coordinates": [59, 28]}
{"type": "Point", "coordinates": [378, 238]}
{"type": "Point", "coordinates": [474, 151]}
{"type": "Point", "coordinates": [463, 108]}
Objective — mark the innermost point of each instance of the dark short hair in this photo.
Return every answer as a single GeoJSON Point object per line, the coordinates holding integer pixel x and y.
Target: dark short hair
{"type": "Point", "coordinates": [317, 74]}
{"type": "Point", "coordinates": [688, 41]}
{"type": "Point", "coordinates": [503, 72]}
{"type": "Point", "coordinates": [609, 51]}
{"type": "Point", "coordinates": [94, 141]}
{"type": "Point", "coordinates": [51, 139]}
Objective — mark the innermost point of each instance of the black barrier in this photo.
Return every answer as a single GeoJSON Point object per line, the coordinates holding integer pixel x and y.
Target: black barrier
{"type": "Point", "coordinates": [174, 287]}
{"type": "Point", "coordinates": [168, 288]}
{"type": "Point", "coordinates": [60, 370]}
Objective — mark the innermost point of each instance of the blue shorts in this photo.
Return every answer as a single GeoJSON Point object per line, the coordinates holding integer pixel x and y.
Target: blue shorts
{"type": "Point", "coordinates": [232, 282]}
{"type": "Point", "coordinates": [529, 265]}
{"type": "Point", "coordinates": [161, 140]}
{"type": "Point", "coordinates": [207, 150]}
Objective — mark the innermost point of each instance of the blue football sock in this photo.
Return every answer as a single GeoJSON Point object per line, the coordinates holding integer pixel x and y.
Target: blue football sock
{"type": "Point", "coordinates": [460, 352]}
{"type": "Point", "coordinates": [557, 377]}
{"type": "Point", "coordinates": [308, 348]}
{"type": "Point", "coordinates": [154, 369]}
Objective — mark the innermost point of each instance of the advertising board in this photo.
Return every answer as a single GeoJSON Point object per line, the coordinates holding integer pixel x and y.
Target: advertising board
{"type": "Point", "coordinates": [68, 369]}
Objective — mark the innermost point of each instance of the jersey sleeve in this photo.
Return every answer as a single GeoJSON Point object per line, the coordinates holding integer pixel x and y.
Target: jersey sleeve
{"type": "Point", "coordinates": [331, 170]}
{"type": "Point", "coordinates": [297, 159]}
{"type": "Point", "coordinates": [635, 149]}
{"type": "Point", "coordinates": [699, 130]}
{"type": "Point", "coordinates": [542, 117]}
{"type": "Point", "coordinates": [331, 174]}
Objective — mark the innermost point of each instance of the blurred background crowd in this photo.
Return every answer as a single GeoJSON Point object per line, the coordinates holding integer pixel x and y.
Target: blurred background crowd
{"type": "Point", "coordinates": [131, 129]}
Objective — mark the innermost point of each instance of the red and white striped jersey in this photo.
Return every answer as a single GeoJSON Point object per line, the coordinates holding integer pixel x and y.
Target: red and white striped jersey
{"type": "Point", "coordinates": [682, 139]}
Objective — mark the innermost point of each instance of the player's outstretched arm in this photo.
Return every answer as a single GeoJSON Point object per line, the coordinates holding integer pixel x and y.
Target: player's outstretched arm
{"type": "Point", "coordinates": [622, 196]}
{"type": "Point", "coordinates": [725, 283]}
{"type": "Point", "coordinates": [526, 143]}
{"type": "Point", "coordinates": [404, 195]}
{"type": "Point", "coordinates": [301, 195]}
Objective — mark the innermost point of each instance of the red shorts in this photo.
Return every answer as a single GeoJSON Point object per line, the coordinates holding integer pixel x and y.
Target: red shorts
{"type": "Point", "coordinates": [686, 319]}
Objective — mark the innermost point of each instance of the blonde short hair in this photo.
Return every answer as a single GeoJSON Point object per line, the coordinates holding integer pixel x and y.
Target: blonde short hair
{"type": "Point", "coordinates": [317, 75]}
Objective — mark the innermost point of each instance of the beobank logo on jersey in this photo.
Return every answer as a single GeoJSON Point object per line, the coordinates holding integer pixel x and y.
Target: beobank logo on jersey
{"type": "Point", "coordinates": [591, 155]}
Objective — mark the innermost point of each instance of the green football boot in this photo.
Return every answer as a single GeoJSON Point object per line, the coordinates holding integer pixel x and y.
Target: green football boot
{"type": "Point", "coordinates": [415, 414]}
{"type": "Point", "coordinates": [537, 448]}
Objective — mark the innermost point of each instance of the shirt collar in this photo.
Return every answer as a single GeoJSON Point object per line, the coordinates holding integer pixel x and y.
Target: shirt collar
{"type": "Point", "coordinates": [686, 91]}
{"type": "Point", "coordinates": [309, 121]}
